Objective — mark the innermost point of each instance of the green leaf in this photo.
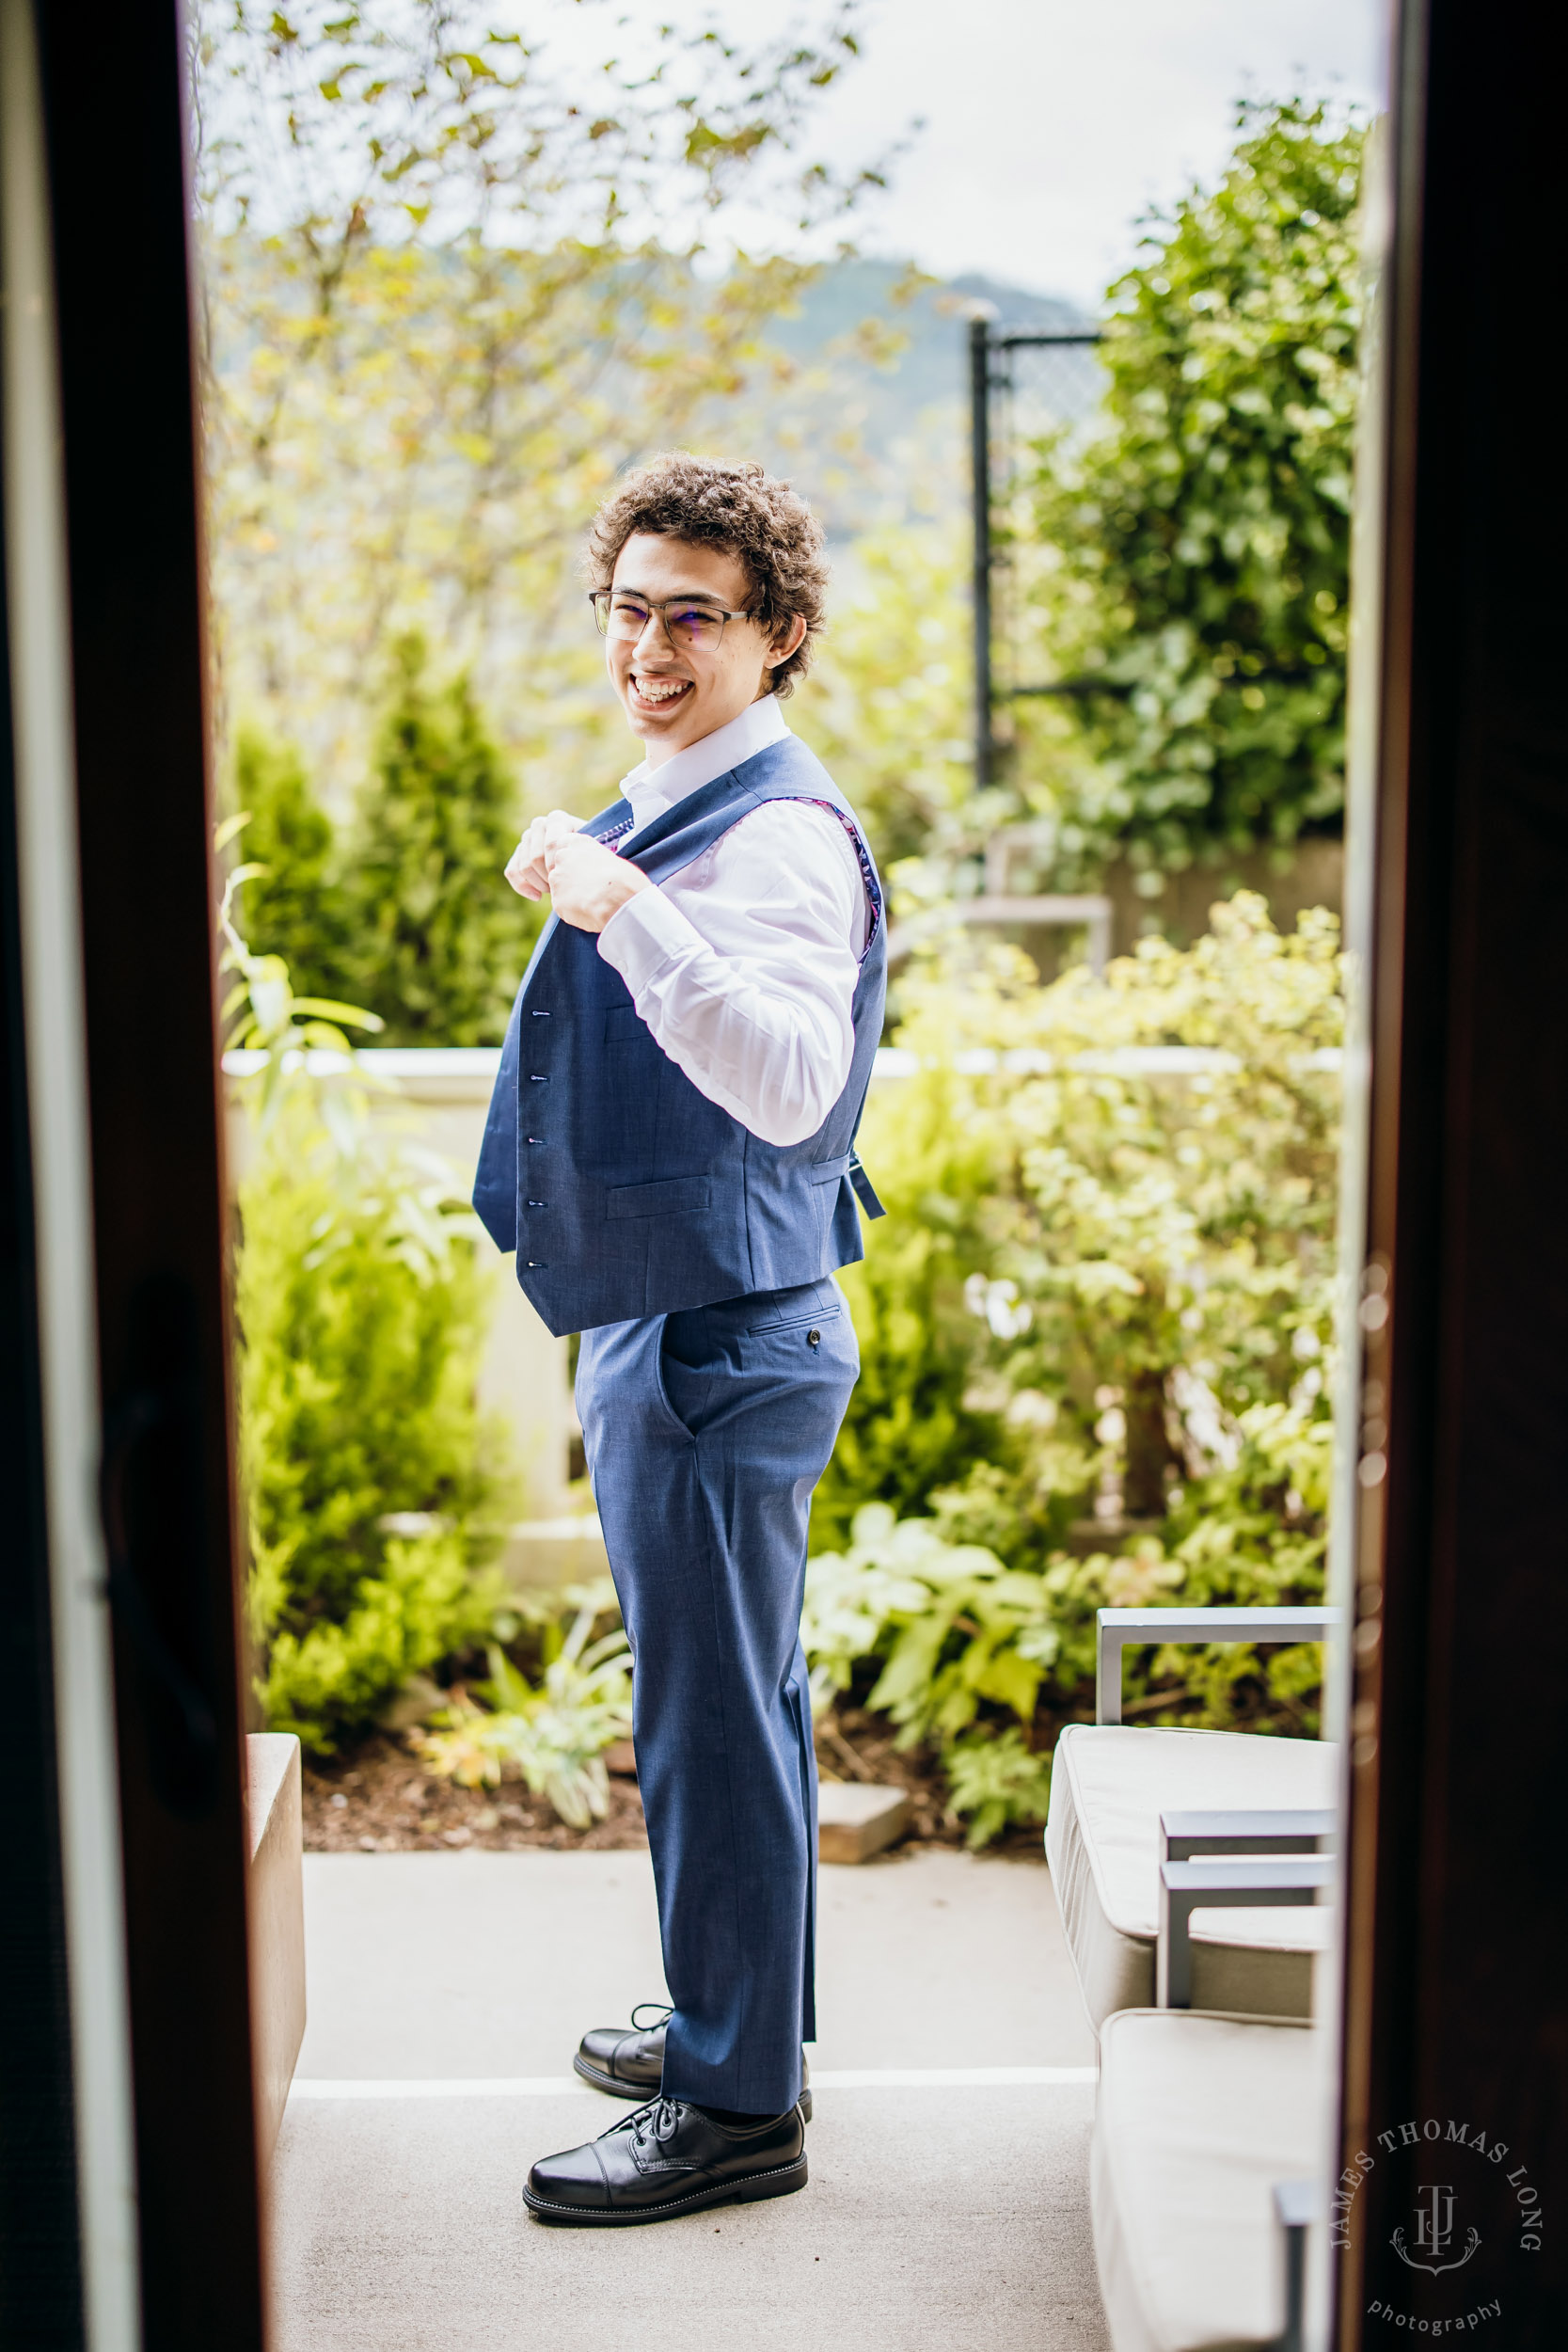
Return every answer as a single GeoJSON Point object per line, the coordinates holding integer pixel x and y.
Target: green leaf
{"type": "Point", "coordinates": [354, 1015]}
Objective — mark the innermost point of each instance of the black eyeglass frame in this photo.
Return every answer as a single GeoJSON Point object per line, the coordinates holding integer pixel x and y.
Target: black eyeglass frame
{"type": "Point", "coordinates": [600, 599]}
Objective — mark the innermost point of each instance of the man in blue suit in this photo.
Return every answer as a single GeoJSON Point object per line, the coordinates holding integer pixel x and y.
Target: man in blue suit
{"type": "Point", "coordinates": [671, 1151]}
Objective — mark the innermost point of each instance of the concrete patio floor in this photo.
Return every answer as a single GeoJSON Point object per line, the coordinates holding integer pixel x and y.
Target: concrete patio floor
{"type": "Point", "coordinates": [949, 2215]}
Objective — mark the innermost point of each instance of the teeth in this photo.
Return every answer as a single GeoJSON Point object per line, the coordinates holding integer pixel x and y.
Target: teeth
{"type": "Point", "coordinates": [659, 691]}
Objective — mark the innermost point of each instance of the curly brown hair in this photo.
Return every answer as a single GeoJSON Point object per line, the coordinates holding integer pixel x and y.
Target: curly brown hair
{"type": "Point", "coordinates": [762, 520]}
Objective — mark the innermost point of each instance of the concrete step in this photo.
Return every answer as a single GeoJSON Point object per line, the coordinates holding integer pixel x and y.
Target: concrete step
{"type": "Point", "coordinates": [855, 1820]}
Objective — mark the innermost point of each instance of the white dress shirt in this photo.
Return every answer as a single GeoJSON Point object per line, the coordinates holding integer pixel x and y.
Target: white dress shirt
{"type": "Point", "coordinates": [744, 964]}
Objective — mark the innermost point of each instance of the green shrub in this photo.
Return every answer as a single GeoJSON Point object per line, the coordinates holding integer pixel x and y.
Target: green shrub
{"type": "Point", "coordinates": [407, 912]}
{"type": "Point", "coordinates": [1194, 551]}
{"type": "Point", "coordinates": [914, 1422]}
{"type": "Point", "coordinates": [372, 1487]}
{"type": "Point", "coordinates": [437, 942]}
{"type": "Point", "coordinates": [952, 1630]}
{"type": "Point", "coordinates": [1086, 1225]}
{"type": "Point", "coordinates": [295, 906]}
{"type": "Point", "coordinates": [369, 1476]}
{"type": "Point", "coordinates": [998, 1783]}
{"type": "Point", "coordinates": [901, 1593]}
{"type": "Point", "coordinates": [1118, 1340]}
{"type": "Point", "coordinates": [552, 1734]}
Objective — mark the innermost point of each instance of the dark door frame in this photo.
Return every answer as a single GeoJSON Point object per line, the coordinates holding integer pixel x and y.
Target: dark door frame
{"type": "Point", "coordinates": [1456, 1991]}
{"type": "Point", "coordinates": [42, 2300]}
{"type": "Point", "coordinates": [116, 209]}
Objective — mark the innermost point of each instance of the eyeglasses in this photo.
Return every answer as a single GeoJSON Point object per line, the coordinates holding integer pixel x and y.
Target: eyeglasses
{"type": "Point", "coordinates": [689, 623]}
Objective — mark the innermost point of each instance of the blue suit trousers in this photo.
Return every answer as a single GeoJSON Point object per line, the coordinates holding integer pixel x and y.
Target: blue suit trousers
{"type": "Point", "coordinates": [705, 1432]}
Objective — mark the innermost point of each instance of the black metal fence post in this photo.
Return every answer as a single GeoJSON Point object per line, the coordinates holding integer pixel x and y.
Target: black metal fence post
{"type": "Point", "coordinates": [986, 344]}
{"type": "Point", "coordinates": [979, 426]}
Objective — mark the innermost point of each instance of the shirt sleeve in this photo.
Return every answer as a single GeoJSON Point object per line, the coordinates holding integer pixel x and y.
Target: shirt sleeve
{"type": "Point", "coordinates": [744, 967]}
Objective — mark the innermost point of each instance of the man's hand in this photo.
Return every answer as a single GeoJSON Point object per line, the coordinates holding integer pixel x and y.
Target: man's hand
{"type": "Point", "coordinates": [588, 882]}
{"type": "Point", "coordinates": [525, 868]}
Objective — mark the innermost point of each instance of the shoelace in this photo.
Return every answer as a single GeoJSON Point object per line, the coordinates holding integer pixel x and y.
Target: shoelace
{"type": "Point", "coordinates": [661, 2017]}
{"type": "Point", "coordinates": [658, 2120]}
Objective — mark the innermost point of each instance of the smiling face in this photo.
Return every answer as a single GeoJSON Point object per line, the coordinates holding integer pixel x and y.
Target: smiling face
{"type": "Point", "coordinates": [672, 694]}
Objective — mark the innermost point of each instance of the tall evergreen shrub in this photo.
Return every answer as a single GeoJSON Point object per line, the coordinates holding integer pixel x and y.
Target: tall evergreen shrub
{"type": "Point", "coordinates": [438, 941]}
{"type": "Point", "coordinates": [296, 906]}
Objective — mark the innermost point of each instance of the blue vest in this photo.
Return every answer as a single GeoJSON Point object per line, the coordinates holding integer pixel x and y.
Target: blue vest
{"type": "Point", "coordinates": [623, 1190]}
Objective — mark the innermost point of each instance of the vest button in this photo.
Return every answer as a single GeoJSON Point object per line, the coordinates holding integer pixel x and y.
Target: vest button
{"type": "Point", "coordinates": [813, 1339]}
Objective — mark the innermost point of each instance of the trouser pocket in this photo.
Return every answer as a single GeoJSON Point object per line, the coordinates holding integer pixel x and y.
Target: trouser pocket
{"type": "Point", "coordinates": [781, 1311]}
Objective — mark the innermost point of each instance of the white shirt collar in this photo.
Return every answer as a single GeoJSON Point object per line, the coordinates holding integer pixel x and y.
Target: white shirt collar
{"type": "Point", "coordinates": [651, 791]}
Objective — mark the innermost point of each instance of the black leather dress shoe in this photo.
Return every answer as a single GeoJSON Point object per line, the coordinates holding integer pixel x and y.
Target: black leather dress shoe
{"type": "Point", "coordinates": [629, 2063]}
{"type": "Point", "coordinates": [665, 2160]}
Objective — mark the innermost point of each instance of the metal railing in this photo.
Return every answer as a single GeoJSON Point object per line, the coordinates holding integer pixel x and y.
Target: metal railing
{"type": "Point", "coordinates": [1123, 1628]}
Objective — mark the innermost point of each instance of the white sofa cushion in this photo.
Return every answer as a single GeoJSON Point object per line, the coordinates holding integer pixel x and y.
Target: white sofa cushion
{"type": "Point", "coordinates": [1109, 1785]}
{"type": "Point", "coordinates": [1197, 2119]}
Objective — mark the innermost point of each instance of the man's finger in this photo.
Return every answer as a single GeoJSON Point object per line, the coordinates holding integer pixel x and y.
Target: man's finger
{"type": "Point", "coordinates": [525, 870]}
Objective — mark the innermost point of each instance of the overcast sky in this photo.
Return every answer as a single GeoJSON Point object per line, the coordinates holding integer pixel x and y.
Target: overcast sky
{"type": "Point", "coordinates": [1050, 124]}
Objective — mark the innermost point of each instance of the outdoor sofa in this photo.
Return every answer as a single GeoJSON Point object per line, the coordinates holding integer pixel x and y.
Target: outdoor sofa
{"type": "Point", "coordinates": [1109, 1785]}
{"type": "Point", "coordinates": [1190, 1868]}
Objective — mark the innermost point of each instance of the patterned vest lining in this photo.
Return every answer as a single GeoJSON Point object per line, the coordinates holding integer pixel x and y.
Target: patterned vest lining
{"type": "Point", "coordinates": [614, 839]}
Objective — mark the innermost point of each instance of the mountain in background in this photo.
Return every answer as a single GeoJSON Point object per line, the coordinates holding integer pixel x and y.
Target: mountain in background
{"type": "Point", "coordinates": [933, 315]}
{"type": "Point", "coordinates": [868, 408]}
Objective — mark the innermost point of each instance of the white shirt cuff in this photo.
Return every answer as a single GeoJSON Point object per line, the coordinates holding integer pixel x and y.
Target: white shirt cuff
{"type": "Point", "coordinates": [644, 935]}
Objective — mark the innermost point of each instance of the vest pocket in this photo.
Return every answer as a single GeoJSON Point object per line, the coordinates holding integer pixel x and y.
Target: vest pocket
{"type": "Point", "coordinates": [666, 1199]}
